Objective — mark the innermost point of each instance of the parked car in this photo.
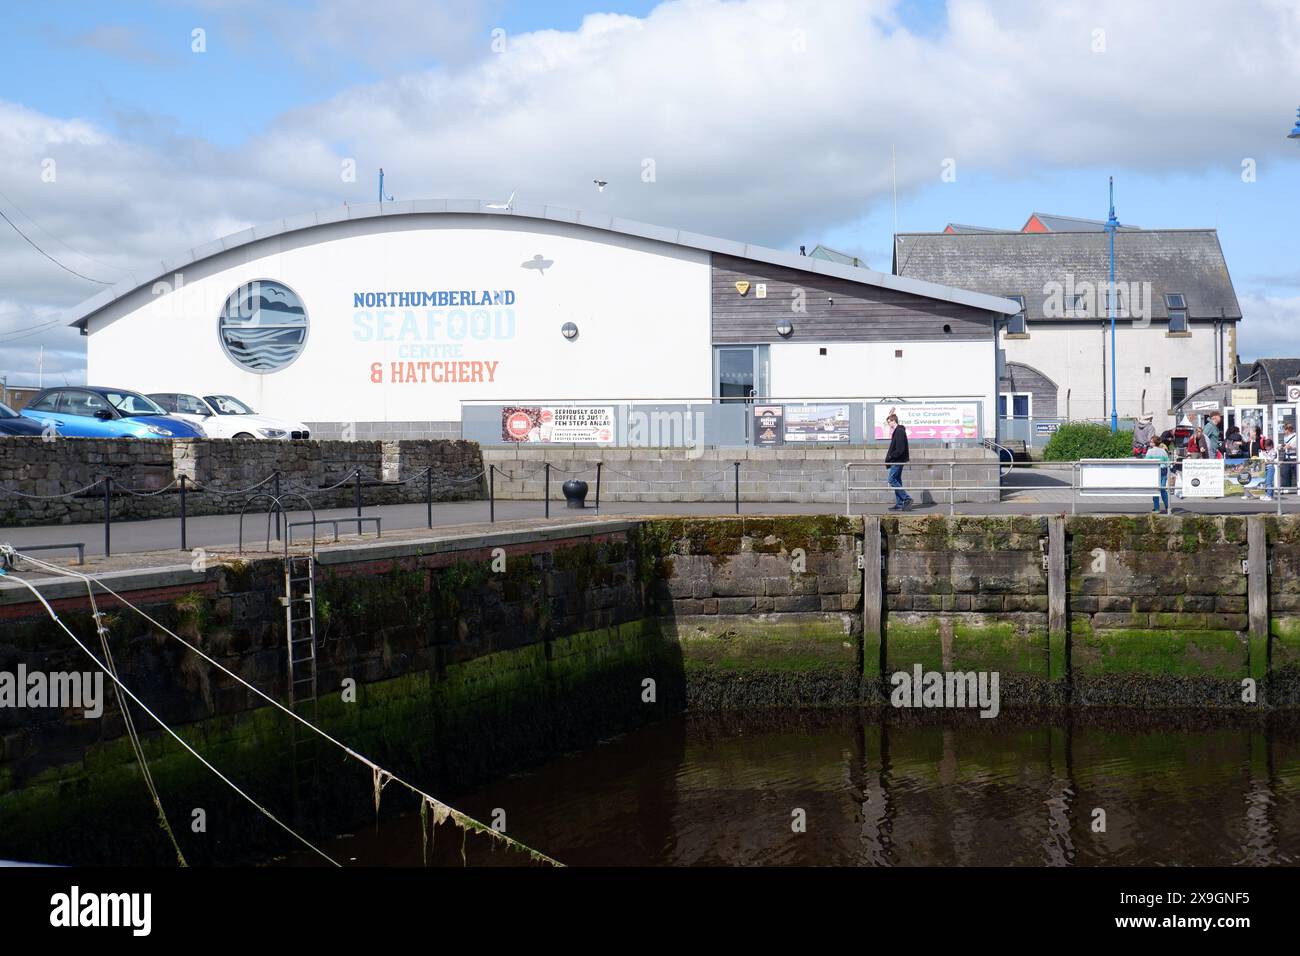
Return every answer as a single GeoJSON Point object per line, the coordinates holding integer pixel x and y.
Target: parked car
{"type": "Point", "coordinates": [224, 416]}
{"type": "Point", "coordinates": [89, 411]}
{"type": "Point", "coordinates": [11, 423]}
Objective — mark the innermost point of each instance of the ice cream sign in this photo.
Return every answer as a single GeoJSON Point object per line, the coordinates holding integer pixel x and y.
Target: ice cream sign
{"type": "Point", "coordinates": [932, 422]}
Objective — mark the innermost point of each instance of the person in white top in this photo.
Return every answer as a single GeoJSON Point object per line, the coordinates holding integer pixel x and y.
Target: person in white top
{"type": "Point", "coordinates": [1268, 452]}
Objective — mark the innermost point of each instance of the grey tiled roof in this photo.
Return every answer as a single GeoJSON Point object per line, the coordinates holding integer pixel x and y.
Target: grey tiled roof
{"type": "Point", "coordinates": [600, 222]}
{"type": "Point", "coordinates": [1270, 377]}
{"type": "Point", "coordinates": [1186, 261]}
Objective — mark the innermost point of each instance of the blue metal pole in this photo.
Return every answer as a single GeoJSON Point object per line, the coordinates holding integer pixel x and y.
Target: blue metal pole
{"type": "Point", "coordinates": [1111, 224]}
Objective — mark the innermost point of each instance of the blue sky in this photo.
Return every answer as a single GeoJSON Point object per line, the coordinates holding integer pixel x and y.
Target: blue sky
{"type": "Point", "coordinates": [160, 149]}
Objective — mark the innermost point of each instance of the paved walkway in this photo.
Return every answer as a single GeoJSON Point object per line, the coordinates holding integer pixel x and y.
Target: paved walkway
{"type": "Point", "coordinates": [221, 532]}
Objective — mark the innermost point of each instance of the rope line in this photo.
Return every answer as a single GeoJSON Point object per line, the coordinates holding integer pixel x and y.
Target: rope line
{"type": "Point", "coordinates": [463, 820]}
{"type": "Point", "coordinates": [7, 549]}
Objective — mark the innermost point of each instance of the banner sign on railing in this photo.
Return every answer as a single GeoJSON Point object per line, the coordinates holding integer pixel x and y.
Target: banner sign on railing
{"type": "Point", "coordinates": [568, 424]}
{"type": "Point", "coordinates": [812, 423]}
{"type": "Point", "coordinates": [769, 425]}
{"type": "Point", "coordinates": [926, 421]}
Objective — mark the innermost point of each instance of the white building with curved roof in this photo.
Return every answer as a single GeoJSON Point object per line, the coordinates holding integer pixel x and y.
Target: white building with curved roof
{"type": "Point", "coordinates": [394, 318]}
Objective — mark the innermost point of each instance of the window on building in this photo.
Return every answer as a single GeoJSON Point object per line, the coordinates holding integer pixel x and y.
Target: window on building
{"type": "Point", "coordinates": [1016, 323]}
{"type": "Point", "coordinates": [1177, 306]}
{"type": "Point", "coordinates": [1177, 391]}
{"type": "Point", "coordinates": [1018, 405]}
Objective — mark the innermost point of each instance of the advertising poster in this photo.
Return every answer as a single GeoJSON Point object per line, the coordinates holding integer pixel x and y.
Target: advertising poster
{"type": "Point", "coordinates": [1203, 478]}
{"type": "Point", "coordinates": [1244, 477]}
{"type": "Point", "coordinates": [560, 424]}
{"type": "Point", "coordinates": [805, 423]}
{"type": "Point", "coordinates": [933, 422]}
{"type": "Point", "coordinates": [769, 424]}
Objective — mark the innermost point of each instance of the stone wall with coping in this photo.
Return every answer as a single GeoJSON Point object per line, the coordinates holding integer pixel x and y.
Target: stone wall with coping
{"type": "Point", "coordinates": [138, 468]}
{"type": "Point", "coordinates": [766, 474]}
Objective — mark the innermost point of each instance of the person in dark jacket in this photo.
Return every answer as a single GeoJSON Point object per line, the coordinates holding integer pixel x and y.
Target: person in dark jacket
{"type": "Point", "coordinates": [896, 458]}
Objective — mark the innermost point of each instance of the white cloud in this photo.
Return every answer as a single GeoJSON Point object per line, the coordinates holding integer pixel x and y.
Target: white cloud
{"type": "Point", "coordinates": [767, 121]}
{"type": "Point", "coordinates": [1270, 326]}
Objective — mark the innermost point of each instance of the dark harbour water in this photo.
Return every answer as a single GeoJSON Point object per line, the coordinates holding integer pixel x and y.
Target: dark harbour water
{"type": "Point", "coordinates": [721, 790]}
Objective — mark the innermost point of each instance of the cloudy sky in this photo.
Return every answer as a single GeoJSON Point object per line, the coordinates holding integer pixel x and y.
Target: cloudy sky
{"type": "Point", "coordinates": [129, 132]}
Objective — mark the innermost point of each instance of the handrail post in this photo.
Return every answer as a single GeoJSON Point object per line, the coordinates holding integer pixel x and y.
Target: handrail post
{"type": "Point", "coordinates": [108, 515]}
{"type": "Point", "coordinates": [183, 544]}
{"type": "Point", "coordinates": [428, 494]}
{"type": "Point", "coordinates": [546, 489]}
{"type": "Point", "coordinates": [492, 495]}
{"type": "Point", "coordinates": [598, 466]}
{"type": "Point", "coordinates": [356, 473]}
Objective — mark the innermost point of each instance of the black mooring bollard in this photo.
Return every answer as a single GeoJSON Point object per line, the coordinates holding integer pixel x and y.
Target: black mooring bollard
{"type": "Point", "coordinates": [575, 493]}
{"type": "Point", "coordinates": [108, 517]}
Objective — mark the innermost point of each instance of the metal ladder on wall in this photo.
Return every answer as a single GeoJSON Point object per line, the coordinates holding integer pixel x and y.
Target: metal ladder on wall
{"type": "Point", "coordinates": [300, 636]}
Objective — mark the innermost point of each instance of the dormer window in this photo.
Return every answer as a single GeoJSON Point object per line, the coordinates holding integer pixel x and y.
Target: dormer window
{"type": "Point", "coordinates": [1016, 323]}
{"type": "Point", "coordinates": [1176, 304]}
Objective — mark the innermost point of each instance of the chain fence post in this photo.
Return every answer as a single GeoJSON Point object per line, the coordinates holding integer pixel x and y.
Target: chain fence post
{"type": "Point", "coordinates": [108, 516]}
{"type": "Point", "coordinates": [428, 494]}
{"type": "Point", "coordinates": [737, 484]}
{"type": "Point", "coordinates": [277, 505]}
{"type": "Point", "coordinates": [356, 474]}
{"type": "Point", "coordinates": [492, 495]}
{"type": "Point", "coordinates": [598, 466]}
{"type": "Point", "coordinates": [546, 490]}
{"type": "Point", "coordinates": [184, 547]}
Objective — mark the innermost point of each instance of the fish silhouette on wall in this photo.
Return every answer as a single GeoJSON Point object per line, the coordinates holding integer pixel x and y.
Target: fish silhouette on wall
{"type": "Point", "coordinates": [538, 263]}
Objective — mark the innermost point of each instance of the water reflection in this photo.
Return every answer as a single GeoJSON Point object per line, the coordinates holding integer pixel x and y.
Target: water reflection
{"type": "Point", "coordinates": [721, 790]}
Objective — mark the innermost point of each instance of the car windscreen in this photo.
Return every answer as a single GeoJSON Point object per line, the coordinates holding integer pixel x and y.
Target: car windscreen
{"type": "Point", "coordinates": [7, 412]}
{"type": "Point", "coordinates": [131, 404]}
{"type": "Point", "coordinates": [227, 405]}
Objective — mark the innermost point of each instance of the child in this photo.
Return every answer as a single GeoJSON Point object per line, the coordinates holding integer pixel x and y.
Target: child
{"type": "Point", "coordinates": [1268, 452]}
{"type": "Point", "coordinates": [1157, 451]}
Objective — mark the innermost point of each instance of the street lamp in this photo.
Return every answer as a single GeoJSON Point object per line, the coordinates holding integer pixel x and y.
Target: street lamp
{"type": "Point", "coordinates": [1111, 225]}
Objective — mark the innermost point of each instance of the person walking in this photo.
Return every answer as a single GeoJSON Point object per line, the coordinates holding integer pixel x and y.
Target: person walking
{"type": "Point", "coordinates": [1160, 502]}
{"type": "Point", "coordinates": [896, 458]}
{"type": "Point", "coordinates": [1213, 435]}
{"type": "Point", "coordinates": [1268, 452]}
{"type": "Point", "coordinates": [1143, 432]}
{"type": "Point", "coordinates": [1286, 456]}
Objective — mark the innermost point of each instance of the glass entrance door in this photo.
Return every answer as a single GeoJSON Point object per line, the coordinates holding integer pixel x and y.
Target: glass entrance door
{"type": "Point", "coordinates": [737, 380]}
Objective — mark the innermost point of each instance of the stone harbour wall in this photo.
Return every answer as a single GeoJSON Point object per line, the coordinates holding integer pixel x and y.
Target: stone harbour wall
{"type": "Point", "coordinates": [36, 476]}
{"type": "Point", "coordinates": [765, 474]}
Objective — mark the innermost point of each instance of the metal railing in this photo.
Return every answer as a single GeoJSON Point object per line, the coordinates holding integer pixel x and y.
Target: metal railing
{"type": "Point", "coordinates": [1065, 479]}
{"type": "Point", "coordinates": [275, 485]}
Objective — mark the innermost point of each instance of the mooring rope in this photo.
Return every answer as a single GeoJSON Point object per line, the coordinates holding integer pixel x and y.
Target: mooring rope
{"type": "Point", "coordinates": [129, 722]}
{"type": "Point", "coordinates": [440, 809]}
{"type": "Point", "coordinates": [161, 723]}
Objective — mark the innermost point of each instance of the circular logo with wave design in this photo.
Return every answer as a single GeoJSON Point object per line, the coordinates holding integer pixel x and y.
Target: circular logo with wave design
{"type": "Point", "coordinates": [263, 326]}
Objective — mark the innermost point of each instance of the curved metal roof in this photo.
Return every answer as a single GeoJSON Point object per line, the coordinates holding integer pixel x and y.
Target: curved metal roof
{"type": "Point", "coordinates": [598, 221]}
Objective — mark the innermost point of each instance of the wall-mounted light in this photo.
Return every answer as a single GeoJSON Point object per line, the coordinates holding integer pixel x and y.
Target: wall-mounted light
{"type": "Point", "coordinates": [569, 331]}
{"type": "Point", "coordinates": [784, 328]}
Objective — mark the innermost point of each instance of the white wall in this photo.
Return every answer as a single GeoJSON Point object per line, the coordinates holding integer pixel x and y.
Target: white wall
{"type": "Point", "coordinates": [871, 370]}
{"type": "Point", "coordinates": [642, 309]}
{"type": "Point", "coordinates": [1072, 358]}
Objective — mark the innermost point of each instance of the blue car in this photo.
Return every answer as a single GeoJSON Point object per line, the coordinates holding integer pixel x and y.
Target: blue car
{"type": "Point", "coordinates": [11, 423]}
{"type": "Point", "coordinates": [87, 411]}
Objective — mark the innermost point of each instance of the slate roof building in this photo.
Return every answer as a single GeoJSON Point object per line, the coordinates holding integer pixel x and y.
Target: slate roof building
{"type": "Point", "coordinates": [1270, 377]}
{"type": "Point", "coordinates": [1177, 313]}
